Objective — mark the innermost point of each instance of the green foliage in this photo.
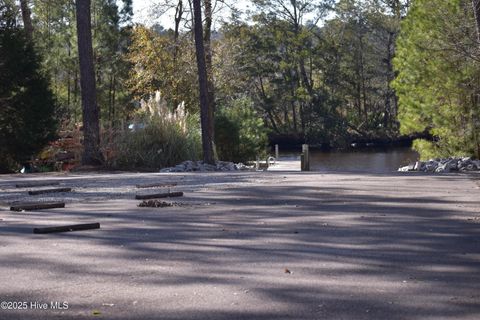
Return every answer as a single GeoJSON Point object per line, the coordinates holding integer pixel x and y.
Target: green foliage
{"type": "Point", "coordinates": [438, 78]}
{"type": "Point", "coordinates": [328, 85]}
{"type": "Point", "coordinates": [269, 56]}
{"type": "Point", "coordinates": [161, 63]}
{"type": "Point", "coordinates": [356, 52]}
{"type": "Point", "coordinates": [55, 37]}
{"type": "Point", "coordinates": [27, 106]}
{"type": "Point", "coordinates": [111, 40]}
{"type": "Point", "coordinates": [322, 82]}
{"type": "Point", "coordinates": [240, 135]}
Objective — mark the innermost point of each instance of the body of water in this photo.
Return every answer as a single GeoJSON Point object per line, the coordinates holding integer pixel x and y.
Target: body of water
{"type": "Point", "coordinates": [364, 160]}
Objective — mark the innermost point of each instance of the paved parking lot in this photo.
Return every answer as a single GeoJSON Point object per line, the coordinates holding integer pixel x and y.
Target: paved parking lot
{"type": "Point", "coordinates": [246, 245]}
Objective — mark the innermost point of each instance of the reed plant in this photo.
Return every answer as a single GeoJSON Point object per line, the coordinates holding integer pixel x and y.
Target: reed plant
{"type": "Point", "coordinates": [158, 137]}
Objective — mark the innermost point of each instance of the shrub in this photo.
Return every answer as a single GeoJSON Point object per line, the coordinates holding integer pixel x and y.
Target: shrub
{"type": "Point", "coordinates": [27, 106]}
{"type": "Point", "coordinates": [240, 134]}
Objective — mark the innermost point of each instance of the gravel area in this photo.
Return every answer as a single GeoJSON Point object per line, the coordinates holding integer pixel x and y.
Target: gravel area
{"type": "Point", "coordinates": [105, 186]}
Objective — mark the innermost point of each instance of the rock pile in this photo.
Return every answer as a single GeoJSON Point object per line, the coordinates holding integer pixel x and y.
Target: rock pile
{"type": "Point", "coordinates": [190, 166]}
{"type": "Point", "coordinates": [444, 165]}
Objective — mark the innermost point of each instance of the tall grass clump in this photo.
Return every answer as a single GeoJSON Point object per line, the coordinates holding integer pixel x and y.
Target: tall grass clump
{"type": "Point", "coordinates": [159, 137]}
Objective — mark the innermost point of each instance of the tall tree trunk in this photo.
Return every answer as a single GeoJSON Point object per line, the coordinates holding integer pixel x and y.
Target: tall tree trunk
{"type": "Point", "coordinates": [363, 80]}
{"type": "Point", "coordinates": [91, 130]}
{"type": "Point", "coordinates": [388, 114]}
{"type": "Point", "coordinates": [207, 139]}
{"type": "Point", "coordinates": [75, 96]}
{"type": "Point", "coordinates": [294, 107]}
{"type": "Point", "coordinates": [475, 118]}
{"type": "Point", "coordinates": [209, 65]}
{"type": "Point", "coordinates": [27, 20]}
{"type": "Point", "coordinates": [272, 120]}
{"type": "Point", "coordinates": [114, 96]}
{"type": "Point", "coordinates": [69, 75]}
{"type": "Point", "coordinates": [358, 96]}
{"type": "Point", "coordinates": [178, 19]}
{"type": "Point", "coordinates": [110, 95]}
{"type": "Point", "coordinates": [294, 117]}
{"type": "Point", "coordinates": [302, 118]}
{"type": "Point", "coordinates": [192, 14]}
{"type": "Point", "coordinates": [476, 12]}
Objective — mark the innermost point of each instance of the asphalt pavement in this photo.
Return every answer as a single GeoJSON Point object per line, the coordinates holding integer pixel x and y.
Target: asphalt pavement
{"type": "Point", "coordinates": [246, 245]}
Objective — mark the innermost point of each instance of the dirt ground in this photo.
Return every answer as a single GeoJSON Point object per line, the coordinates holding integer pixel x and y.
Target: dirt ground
{"type": "Point", "coordinates": [245, 245]}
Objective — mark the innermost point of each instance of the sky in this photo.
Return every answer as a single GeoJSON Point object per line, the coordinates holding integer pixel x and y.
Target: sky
{"type": "Point", "coordinates": [142, 13]}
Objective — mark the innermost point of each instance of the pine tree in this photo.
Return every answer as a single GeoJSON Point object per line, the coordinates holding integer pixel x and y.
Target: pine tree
{"type": "Point", "coordinates": [437, 65]}
{"type": "Point", "coordinates": [207, 138]}
{"type": "Point", "coordinates": [91, 127]}
{"type": "Point", "coordinates": [27, 106]}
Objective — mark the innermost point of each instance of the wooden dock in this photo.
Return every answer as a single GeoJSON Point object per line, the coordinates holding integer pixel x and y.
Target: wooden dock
{"type": "Point", "coordinates": [285, 165]}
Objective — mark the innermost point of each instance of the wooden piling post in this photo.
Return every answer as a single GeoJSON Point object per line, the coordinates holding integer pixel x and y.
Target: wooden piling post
{"type": "Point", "coordinates": [305, 158]}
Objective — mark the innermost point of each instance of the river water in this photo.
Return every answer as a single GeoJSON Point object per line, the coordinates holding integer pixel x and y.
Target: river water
{"type": "Point", "coordinates": [383, 160]}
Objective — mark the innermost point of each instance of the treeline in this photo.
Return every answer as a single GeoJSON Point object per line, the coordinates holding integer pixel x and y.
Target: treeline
{"type": "Point", "coordinates": [55, 37]}
{"type": "Point", "coordinates": [321, 83]}
{"type": "Point", "coordinates": [324, 83]}
{"type": "Point", "coordinates": [318, 71]}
